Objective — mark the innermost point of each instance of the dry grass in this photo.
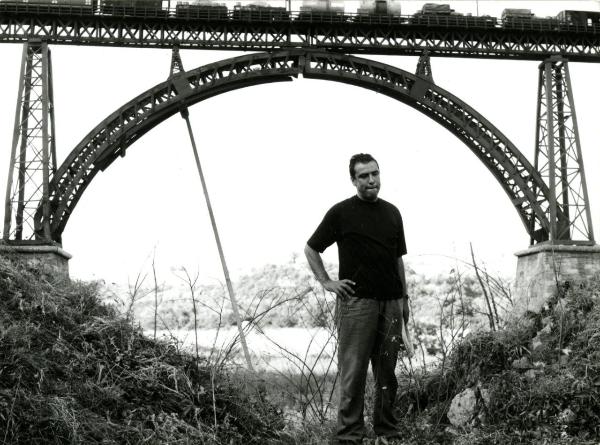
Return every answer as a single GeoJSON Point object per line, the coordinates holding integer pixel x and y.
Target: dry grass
{"type": "Point", "coordinates": [74, 371]}
{"type": "Point", "coordinates": [553, 399]}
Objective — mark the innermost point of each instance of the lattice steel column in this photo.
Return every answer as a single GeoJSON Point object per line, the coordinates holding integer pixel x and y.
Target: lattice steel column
{"type": "Point", "coordinates": [33, 155]}
{"type": "Point", "coordinates": [558, 159]}
{"type": "Point", "coordinates": [424, 66]}
{"type": "Point", "coordinates": [176, 63]}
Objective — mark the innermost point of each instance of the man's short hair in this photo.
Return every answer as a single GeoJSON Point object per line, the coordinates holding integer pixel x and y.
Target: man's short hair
{"type": "Point", "coordinates": [362, 158]}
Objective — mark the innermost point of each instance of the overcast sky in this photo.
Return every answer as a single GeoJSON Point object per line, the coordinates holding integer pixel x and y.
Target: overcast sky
{"type": "Point", "coordinates": [275, 159]}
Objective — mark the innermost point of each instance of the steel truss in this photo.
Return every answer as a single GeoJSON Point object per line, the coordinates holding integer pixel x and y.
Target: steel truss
{"type": "Point", "coordinates": [111, 138]}
{"type": "Point", "coordinates": [176, 63]}
{"type": "Point", "coordinates": [558, 159]}
{"type": "Point", "coordinates": [424, 67]}
{"type": "Point", "coordinates": [33, 154]}
{"type": "Point", "coordinates": [350, 38]}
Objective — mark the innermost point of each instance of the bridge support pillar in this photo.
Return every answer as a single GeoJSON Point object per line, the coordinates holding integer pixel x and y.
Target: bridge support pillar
{"type": "Point", "coordinates": [33, 154]}
{"type": "Point", "coordinates": [543, 269]}
{"type": "Point", "coordinates": [47, 257]}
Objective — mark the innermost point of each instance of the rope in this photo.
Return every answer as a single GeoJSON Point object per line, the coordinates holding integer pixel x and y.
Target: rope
{"type": "Point", "coordinates": [186, 115]}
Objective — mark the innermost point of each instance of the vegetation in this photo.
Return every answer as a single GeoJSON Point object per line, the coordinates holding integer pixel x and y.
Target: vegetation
{"type": "Point", "coordinates": [76, 370]}
{"type": "Point", "coordinates": [73, 371]}
{"type": "Point", "coordinates": [537, 381]}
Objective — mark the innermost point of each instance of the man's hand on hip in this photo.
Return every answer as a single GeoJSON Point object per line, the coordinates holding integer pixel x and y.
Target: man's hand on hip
{"type": "Point", "coordinates": [342, 288]}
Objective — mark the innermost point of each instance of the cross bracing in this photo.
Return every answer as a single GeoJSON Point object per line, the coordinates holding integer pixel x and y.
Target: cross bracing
{"type": "Point", "coordinates": [33, 154]}
{"type": "Point", "coordinates": [534, 42]}
{"type": "Point", "coordinates": [558, 157]}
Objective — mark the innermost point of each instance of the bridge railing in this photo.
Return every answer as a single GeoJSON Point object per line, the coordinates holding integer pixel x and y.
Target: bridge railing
{"type": "Point", "coordinates": [45, 8]}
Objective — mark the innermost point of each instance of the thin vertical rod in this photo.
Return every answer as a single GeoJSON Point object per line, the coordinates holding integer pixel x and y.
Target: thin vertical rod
{"type": "Point", "coordinates": [45, 147]}
{"type": "Point", "coordinates": [537, 146]}
{"type": "Point", "coordinates": [579, 154]}
{"type": "Point", "coordinates": [53, 161]}
{"type": "Point", "coordinates": [13, 153]}
{"type": "Point", "coordinates": [565, 218]}
{"type": "Point", "coordinates": [550, 149]}
{"type": "Point", "coordinates": [185, 114]}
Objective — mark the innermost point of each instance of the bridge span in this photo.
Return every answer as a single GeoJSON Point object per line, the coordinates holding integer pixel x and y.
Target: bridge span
{"type": "Point", "coordinates": [535, 40]}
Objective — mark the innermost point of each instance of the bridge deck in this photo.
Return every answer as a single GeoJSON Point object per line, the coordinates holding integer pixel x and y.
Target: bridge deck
{"type": "Point", "coordinates": [533, 41]}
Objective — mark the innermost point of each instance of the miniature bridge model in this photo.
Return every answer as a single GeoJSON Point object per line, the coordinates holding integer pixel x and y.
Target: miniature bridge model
{"type": "Point", "coordinates": [550, 195]}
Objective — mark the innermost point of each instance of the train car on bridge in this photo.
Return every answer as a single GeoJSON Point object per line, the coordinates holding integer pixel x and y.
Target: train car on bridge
{"type": "Point", "coordinates": [524, 19]}
{"type": "Point", "coordinates": [260, 11]}
{"type": "Point", "coordinates": [569, 20]}
{"type": "Point", "coordinates": [435, 14]}
{"type": "Point", "coordinates": [579, 20]}
{"type": "Point", "coordinates": [201, 10]}
{"type": "Point", "coordinates": [71, 7]}
{"type": "Point", "coordinates": [378, 11]}
{"type": "Point", "coordinates": [513, 18]}
{"type": "Point", "coordinates": [133, 8]}
{"type": "Point", "coordinates": [329, 11]}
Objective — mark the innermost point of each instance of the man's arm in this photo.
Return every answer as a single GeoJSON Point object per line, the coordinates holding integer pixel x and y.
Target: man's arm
{"type": "Point", "coordinates": [342, 288]}
{"type": "Point", "coordinates": [404, 296]}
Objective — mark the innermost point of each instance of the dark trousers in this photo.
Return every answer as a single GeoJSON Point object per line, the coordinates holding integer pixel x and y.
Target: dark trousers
{"type": "Point", "coordinates": [369, 331]}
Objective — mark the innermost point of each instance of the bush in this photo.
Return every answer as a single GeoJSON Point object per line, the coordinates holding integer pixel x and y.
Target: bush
{"type": "Point", "coordinates": [542, 375]}
{"type": "Point", "coordinates": [73, 371]}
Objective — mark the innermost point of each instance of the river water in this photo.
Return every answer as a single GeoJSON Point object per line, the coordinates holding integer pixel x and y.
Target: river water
{"type": "Point", "coordinates": [272, 348]}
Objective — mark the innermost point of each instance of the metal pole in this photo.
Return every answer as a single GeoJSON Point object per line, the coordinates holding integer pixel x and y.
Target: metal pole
{"type": "Point", "coordinates": [13, 154]}
{"type": "Point", "coordinates": [538, 142]}
{"type": "Point", "coordinates": [46, 148]}
{"type": "Point", "coordinates": [550, 148]}
{"type": "Point", "coordinates": [588, 212]}
{"type": "Point", "coordinates": [186, 115]}
{"type": "Point", "coordinates": [564, 222]}
{"type": "Point", "coordinates": [53, 160]}
{"type": "Point", "coordinates": [32, 49]}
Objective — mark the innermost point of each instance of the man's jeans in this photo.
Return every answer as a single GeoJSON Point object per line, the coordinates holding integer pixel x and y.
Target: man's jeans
{"type": "Point", "coordinates": [368, 331]}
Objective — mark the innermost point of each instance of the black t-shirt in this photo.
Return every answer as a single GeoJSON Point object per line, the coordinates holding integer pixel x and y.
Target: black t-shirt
{"type": "Point", "coordinates": [370, 238]}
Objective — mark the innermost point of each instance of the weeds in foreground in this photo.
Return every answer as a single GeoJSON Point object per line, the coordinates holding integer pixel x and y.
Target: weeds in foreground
{"type": "Point", "coordinates": [536, 381]}
{"type": "Point", "coordinates": [74, 371]}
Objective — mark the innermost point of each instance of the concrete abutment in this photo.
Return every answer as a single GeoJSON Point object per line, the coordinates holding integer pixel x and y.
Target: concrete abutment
{"type": "Point", "coordinates": [543, 268]}
{"type": "Point", "coordinates": [49, 257]}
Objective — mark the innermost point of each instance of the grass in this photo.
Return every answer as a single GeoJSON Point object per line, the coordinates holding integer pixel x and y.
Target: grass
{"type": "Point", "coordinates": [73, 370]}
{"type": "Point", "coordinates": [540, 375]}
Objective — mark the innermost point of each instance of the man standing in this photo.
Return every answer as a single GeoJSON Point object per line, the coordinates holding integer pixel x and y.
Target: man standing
{"type": "Point", "coordinates": [372, 299]}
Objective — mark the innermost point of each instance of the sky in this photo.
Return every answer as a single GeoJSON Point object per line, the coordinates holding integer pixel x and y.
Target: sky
{"type": "Point", "coordinates": [276, 157]}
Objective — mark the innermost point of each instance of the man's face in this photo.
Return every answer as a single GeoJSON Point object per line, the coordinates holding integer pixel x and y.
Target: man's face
{"type": "Point", "coordinates": [366, 180]}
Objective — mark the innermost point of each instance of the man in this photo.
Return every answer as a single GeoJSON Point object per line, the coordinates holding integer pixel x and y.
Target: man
{"type": "Point", "coordinates": [372, 299]}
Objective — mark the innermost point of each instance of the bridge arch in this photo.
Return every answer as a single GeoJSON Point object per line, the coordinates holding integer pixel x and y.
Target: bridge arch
{"type": "Point", "coordinates": [111, 138]}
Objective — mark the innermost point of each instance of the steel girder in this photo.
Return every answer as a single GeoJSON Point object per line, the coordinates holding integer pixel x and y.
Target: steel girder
{"type": "Point", "coordinates": [399, 39]}
{"type": "Point", "coordinates": [111, 138]}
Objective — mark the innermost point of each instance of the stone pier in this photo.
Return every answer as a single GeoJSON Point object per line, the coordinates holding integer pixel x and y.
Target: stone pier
{"type": "Point", "coordinates": [543, 268]}
{"type": "Point", "coordinates": [50, 257]}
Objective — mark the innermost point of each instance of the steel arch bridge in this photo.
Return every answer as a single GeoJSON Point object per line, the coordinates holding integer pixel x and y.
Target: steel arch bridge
{"type": "Point", "coordinates": [110, 139]}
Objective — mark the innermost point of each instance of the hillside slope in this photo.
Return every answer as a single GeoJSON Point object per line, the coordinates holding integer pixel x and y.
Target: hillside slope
{"type": "Point", "coordinates": [537, 381]}
{"type": "Point", "coordinates": [73, 371]}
